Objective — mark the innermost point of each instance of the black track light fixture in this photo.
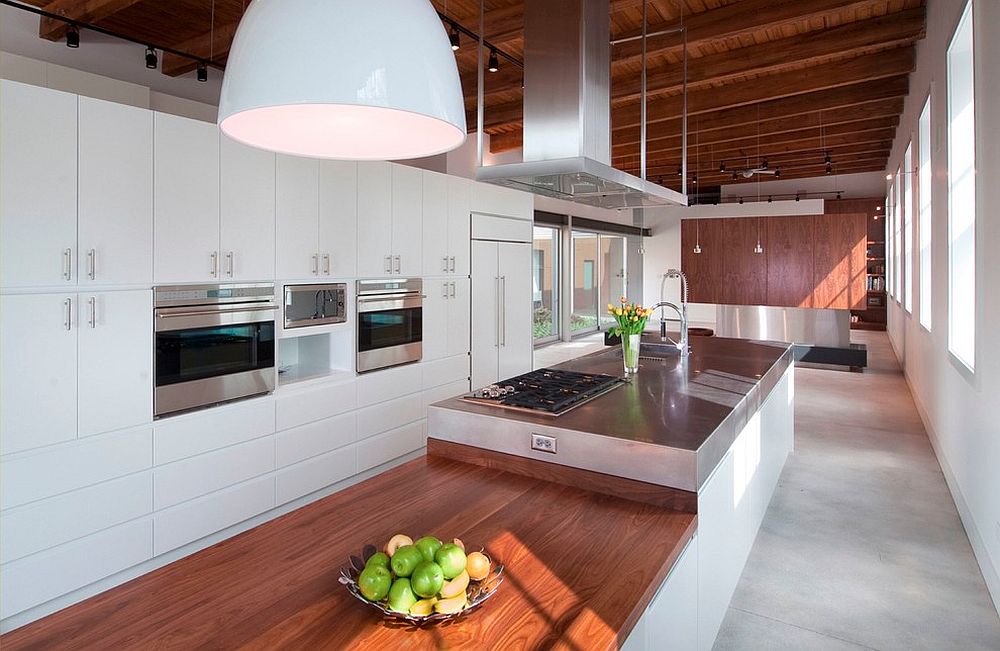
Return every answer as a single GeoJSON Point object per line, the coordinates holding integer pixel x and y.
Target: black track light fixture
{"type": "Point", "coordinates": [494, 63]}
{"type": "Point", "coordinates": [722, 167]}
{"type": "Point", "coordinates": [838, 196]}
{"type": "Point", "coordinates": [695, 179]}
{"type": "Point", "coordinates": [455, 38]}
{"type": "Point", "coordinates": [736, 176]}
{"type": "Point", "coordinates": [151, 59]}
{"type": "Point", "coordinates": [202, 71]}
{"type": "Point", "coordinates": [741, 201]}
{"type": "Point", "coordinates": [763, 164]}
{"type": "Point", "coordinates": [73, 37]}
{"type": "Point", "coordinates": [829, 168]}
{"type": "Point", "coordinates": [770, 199]}
{"type": "Point", "coordinates": [827, 159]}
{"type": "Point", "coordinates": [796, 197]}
{"type": "Point", "coordinates": [680, 170]}
{"type": "Point", "coordinates": [777, 173]}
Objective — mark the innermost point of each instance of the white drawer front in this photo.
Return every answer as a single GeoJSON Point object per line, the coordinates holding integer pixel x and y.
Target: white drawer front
{"type": "Point", "coordinates": [301, 443]}
{"type": "Point", "coordinates": [185, 480]}
{"type": "Point", "coordinates": [57, 520]}
{"type": "Point", "coordinates": [63, 468]}
{"type": "Point", "coordinates": [447, 370]}
{"type": "Point", "coordinates": [186, 436]}
{"type": "Point", "coordinates": [315, 404]}
{"type": "Point", "coordinates": [386, 447]}
{"type": "Point", "coordinates": [199, 518]}
{"type": "Point", "coordinates": [316, 473]}
{"type": "Point", "coordinates": [34, 580]}
{"type": "Point", "coordinates": [380, 386]}
{"type": "Point", "coordinates": [389, 415]}
{"type": "Point", "coordinates": [437, 394]}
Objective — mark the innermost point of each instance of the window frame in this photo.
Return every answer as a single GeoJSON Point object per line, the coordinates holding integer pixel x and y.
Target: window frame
{"type": "Point", "coordinates": [925, 216]}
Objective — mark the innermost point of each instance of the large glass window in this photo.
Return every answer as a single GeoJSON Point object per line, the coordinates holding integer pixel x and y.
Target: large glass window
{"type": "Point", "coordinates": [924, 213]}
{"type": "Point", "coordinates": [585, 296]}
{"type": "Point", "coordinates": [545, 283]}
{"type": "Point", "coordinates": [613, 276]}
{"type": "Point", "coordinates": [897, 230]}
{"type": "Point", "coordinates": [907, 183]}
{"type": "Point", "coordinates": [962, 194]}
{"type": "Point", "coordinates": [890, 235]}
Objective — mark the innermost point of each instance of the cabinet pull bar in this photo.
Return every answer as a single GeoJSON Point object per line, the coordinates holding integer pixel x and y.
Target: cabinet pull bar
{"type": "Point", "coordinates": [315, 258]}
{"type": "Point", "coordinates": [453, 290]}
{"type": "Point", "coordinates": [68, 314]}
{"type": "Point", "coordinates": [92, 302]}
{"type": "Point", "coordinates": [452, 264]}
{"type": "Point", "coordinates": [68, 264]}
{"type": "Point", "coordinates": [230, 263]}
{"type": "Point", "coordinates": [214, 271]}
{"type": "Point", "coordinates": [496, 280]}
{"type": "Point", "coordinates": [388, 264]}
{"type": "Point", "coordinates": [444, 290]}
{"type": "Point", "coordinates": [445, 267]}
{"type": "Point", "coordinates": [397, 263]}
{"type": "Point", "coordinates": [503, 310]}
{"type": "Point", "coordinates": [326, 264]}
{"type": "Point", "coordinates": [92, 263]}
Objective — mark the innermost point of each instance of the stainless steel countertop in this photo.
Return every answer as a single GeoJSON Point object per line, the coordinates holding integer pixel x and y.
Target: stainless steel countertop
{"type": "Point", "coordinates": [694, 407]}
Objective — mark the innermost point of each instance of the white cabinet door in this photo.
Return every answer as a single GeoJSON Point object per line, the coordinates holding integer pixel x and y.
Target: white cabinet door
{"type": "Point", "coordinates": [459, 317]}
{"type": "Point", "coordinates": [116, 194]}
{"type": "Point", "coordinates": [374, 219]}
{"type": "Point", "coordinates": [435, 318]}
{"type": "Point", "coordinates": [437, 257]}
{"type": "Point", "coordinates": [246, 212]}
{"type": "Point", "coordinates": [185, 200]}
{"type": "Point", "coordinates": [115, 361]}
{"type": "Point", "coordinates": [297, 217]}
{"type": "Point", "coordinates": [672, 615]}
{"type": "Point", "coordinates": [485, 314]}
{"type": "Point", "coordinates": [38, 386]}
{"type": "Point", "coordinates": [38, 133]}
{"type": "Point", "coordinates": [459, 223]}
{"type": "Point", "coordinates": [515, 308]}
{"type": "Point", "coordinates": [407, 220]}
{"type": "Point", "coordinates": [338, 218]}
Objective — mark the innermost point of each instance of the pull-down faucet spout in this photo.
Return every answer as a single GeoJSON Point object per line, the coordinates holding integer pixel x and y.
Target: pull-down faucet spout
{"type": "Point", "coordinates": [682, 345]}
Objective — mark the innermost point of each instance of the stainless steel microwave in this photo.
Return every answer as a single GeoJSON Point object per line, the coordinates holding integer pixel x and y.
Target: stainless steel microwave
{"type": "Point", "coordinates": [313, 305]}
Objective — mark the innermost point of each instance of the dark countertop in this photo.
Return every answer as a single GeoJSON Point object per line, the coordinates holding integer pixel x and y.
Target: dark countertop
{"type": "Point", "coordinates": [581, 568]}
{"type": "Point", "coordinates": [690, 410]}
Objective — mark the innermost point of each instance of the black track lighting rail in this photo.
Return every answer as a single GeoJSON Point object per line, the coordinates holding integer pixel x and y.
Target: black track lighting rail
{"type": "Point", "coordinates": [107, 32]}
{"type": "Point", "coordinates": [475, 37]}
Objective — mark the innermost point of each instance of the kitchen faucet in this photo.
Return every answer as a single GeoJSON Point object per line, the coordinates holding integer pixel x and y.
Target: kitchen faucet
{"type": "Point", "coordinates": [682, 345]}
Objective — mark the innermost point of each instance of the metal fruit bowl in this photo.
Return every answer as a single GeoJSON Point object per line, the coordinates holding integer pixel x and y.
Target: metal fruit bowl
{"type": "Point", "coordinates": [476, 593]}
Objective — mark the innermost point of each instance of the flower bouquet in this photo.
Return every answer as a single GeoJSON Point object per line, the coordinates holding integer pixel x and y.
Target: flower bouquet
{"type": "Point", "coordinates": [631, 319]}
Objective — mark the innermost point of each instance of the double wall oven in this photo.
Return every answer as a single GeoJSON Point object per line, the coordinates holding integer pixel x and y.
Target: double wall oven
{"type": "Point", "coordinates": [390, 323]}
{"type": "Point", "coordinates": [214, 343]}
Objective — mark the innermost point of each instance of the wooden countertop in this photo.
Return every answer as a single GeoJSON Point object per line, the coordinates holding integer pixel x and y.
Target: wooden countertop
{"type": "Point", "coordinates": [581, 567]}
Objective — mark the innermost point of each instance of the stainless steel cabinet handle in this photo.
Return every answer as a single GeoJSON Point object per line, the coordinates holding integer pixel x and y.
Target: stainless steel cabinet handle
{"type": "Point", "coordinates": [68, 314]}
{"type": "Point", "coordinates": [326, 264]}
{"type": "Point", "coordinates": [388, 264]}
{"type": "Point", "coordinates": [452, 264]}
{"type": "Point", "coordinates": [453, 290]}
{"type": "Point", "coordinates": [397, 263]}
{"type": "Point", "coordinates": [92, 303]}
{"type": "Point", "coordinates": [215, 264]}
{"type": "Point", "coordinates": [315, 264]}
{"type": "Point", "coordinates": [496, 280]}
{"type": "Point", "coordinates": [444, 290]}
{"type": "Point", "coordinates": [503, 310]}
{"type": "Point", "coordinates": [68, 264]}
{"type": "Point", "coordinates": [445, 267]}
{"type": "Point", "coordinates": [229, 263]}
{"type": "Point", "coordinates": [92, 264]}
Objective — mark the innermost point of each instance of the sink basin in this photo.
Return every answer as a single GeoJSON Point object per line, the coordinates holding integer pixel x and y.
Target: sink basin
{"type": "Point", "coordinates": [658, 350]}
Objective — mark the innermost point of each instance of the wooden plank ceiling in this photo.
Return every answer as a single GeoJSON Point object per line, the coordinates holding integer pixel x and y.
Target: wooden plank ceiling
{"type": "Point", "coordinates": [786, 81]}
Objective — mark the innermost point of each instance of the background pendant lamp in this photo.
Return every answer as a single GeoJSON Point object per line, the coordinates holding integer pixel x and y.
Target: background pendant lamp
{"type": "Point", "coordinates": [343, 79]}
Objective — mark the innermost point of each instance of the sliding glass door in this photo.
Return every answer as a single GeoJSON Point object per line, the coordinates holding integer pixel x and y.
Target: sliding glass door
{"type": "Point", "coordinates": [585, 282]}
{"type": "Point", "coordinates": [545, 284]}
{"type": "Point", "coordinates": [613, 283]}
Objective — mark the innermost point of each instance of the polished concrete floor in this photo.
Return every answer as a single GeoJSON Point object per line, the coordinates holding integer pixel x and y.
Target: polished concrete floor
{"type": "Point", "coordinates": [862, 547]}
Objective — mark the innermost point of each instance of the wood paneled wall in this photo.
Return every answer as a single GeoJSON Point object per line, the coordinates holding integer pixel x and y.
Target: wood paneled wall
{"type": "Point", "coordinates": [808, 261]}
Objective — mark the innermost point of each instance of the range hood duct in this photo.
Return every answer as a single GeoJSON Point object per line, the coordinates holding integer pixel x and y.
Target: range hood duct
{"type": "Point", "coordinates": [567, 112]}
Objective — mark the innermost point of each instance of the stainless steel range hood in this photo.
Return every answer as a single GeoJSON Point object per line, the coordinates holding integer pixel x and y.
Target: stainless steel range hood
{"type": "Point", "coordinates": [567, 112]}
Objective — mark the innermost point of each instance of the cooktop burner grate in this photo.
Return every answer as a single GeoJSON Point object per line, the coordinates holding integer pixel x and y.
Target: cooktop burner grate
{"type": "Point", "coordinates": [546, 391]}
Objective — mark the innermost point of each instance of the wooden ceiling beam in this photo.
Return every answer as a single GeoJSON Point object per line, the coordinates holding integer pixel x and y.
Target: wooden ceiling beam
{"type": "Point", "coordinates": [82, 11]}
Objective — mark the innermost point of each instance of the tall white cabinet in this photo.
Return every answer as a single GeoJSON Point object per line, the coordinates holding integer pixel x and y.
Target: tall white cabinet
{"type": "Point", "coordinates": [501, 310]}
{"type": "Point", "coordinates": [390, 220]}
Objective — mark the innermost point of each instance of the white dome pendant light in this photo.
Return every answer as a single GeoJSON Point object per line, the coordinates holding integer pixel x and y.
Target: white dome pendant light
{"type": "Point", "coordinates": [343, 79]}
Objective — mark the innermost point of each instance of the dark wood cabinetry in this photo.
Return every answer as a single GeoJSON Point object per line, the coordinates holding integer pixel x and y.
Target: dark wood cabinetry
{"type": "Point", "coordinates": [789, 249]}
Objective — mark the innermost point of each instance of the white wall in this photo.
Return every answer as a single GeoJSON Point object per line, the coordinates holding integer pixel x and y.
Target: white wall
{"type": "Point", "coordinates": [959, 410]}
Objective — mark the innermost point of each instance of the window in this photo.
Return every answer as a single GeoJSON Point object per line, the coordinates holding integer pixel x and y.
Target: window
{"type": "Point", "coordinates": [585, 302]}
{"type": "Point", "coordinates": [545, 283]}
{"type": "Point", "coordinates": [962, 194]}
{"type": "Point", "coordinates": [897, 230]}
{"type": "Point", "coordinates": [907, 182]}
{"type": "Point", "coordinates": [924, 213]}
{"type": "Point", "coordinates": [890, 236]}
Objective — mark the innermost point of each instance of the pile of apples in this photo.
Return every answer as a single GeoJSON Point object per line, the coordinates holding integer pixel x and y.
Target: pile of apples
{"type": "Point", "coordinates": [422, 577]}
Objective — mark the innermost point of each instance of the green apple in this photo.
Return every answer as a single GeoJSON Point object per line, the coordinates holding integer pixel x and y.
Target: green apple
{"type": "Point", "coordinates": [401, 596]}
{"type": "Point", "coordinates": [374, 582]}
{"type": "Point", "coordinates": [451, 558]}
{"type": "Point", "coordinates": [428, 546]}
{"type": "Point", "coordinates": [405, 560]}
{"type": "Point", "coordinates": [427, 579]}
{"type": "Point", "coordinates": [380, 558]}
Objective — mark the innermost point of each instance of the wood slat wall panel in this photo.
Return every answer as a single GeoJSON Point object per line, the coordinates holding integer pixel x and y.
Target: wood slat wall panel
{"type": "Point", "coordinates": [790, 261]}
{"type": "Point", "coordinates": [835, 238]}
{"type": "Point", "coordinates": [703, 270]}
{"type": "Point", "coordinates": [745, 277]}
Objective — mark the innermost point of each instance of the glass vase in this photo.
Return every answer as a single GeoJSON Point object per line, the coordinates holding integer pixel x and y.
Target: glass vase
{"type": "Point", "coordinates": [630, 353]}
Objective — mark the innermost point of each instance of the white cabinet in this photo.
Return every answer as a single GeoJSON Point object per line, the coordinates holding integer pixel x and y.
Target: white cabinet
{"type": "Point", "coordinates": [84, 365]}
{"type": "Point", "coordinates": [501, 310]}
{"type": "Point", "coordinates": [446, 224]}
{"type": "Point", "coordinates": [317, 218]}
{"type": "Point", "coordinates": [116, 194]}
{"type": "Point", "coordinates": [446, 318]}
{"type": "Point", "coordinates": [390, 220]}
{"type": "Point", "coordinates": [115, 361]}
{"type": "Point", "coordinates": [246, 233]}
{"type": "Point", "coordinates": [185, 200]}
{"type": "Point", "coordinates": [38, 134]}
{"type": "Point", "coordinates": [491, 199]}
{"type": "Point", "coordinates": [38, 385]}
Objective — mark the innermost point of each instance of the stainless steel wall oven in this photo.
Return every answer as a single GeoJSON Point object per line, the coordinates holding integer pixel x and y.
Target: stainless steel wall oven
{"type": "Point", "coordinates": [214, 343]}
{"type": "Point", "coordinates": [390, 323]}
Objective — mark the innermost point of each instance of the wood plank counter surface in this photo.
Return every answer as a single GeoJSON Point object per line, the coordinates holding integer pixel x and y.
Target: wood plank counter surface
{"type": "Point", "coordinates": [581, 567]}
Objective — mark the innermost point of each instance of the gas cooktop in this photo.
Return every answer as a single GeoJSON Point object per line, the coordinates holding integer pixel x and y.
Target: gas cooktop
{"type": "Point", "coordinates": [547, 391]}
